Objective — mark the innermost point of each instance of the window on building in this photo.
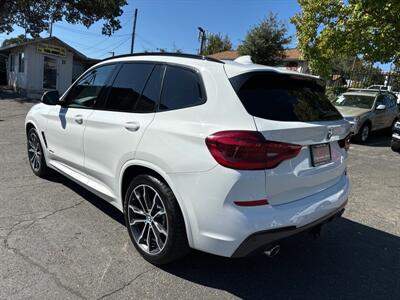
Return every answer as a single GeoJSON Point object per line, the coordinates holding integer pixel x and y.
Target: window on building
{"type": "Point", "coordinates": [49, 73]}
{"type": "Point", "coordinates": [128, 86]}
{"type": "Point", "coordinates": [181, 88]}
{"type": "Point", "coordinates": [12, 63]}
{"type": "Point", "coordinates": [86, 91]}
{"type": "Point", "coordinates": [21, 62]}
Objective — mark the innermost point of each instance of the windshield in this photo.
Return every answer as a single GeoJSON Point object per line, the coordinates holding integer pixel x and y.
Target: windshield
{"type": "Point", "coordinates": [361, 101]}
{"type": "Point", "coordinates": [283, 97]}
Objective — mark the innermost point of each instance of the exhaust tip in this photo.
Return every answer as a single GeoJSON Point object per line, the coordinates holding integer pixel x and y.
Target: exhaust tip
{"type": "Point", "coordinates": [273, 251]}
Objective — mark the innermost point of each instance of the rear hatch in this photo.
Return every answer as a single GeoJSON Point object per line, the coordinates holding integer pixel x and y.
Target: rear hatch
{"type": "Point", "coordinates": [293, 109]}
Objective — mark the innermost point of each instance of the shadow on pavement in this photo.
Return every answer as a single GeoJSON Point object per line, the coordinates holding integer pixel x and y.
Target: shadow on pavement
{"type": "Point", "coordinates": [93, 199]}
{"type": "Point", "coordinates": [8, 94]}
{"type": "Point", "coordinates": [349, 260]}
{"type": "Point", "coordinates": [381, 138]}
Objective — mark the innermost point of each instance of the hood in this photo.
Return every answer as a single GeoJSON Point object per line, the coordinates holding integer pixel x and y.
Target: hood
{"type": "Point", "coordinates": [348, 111]}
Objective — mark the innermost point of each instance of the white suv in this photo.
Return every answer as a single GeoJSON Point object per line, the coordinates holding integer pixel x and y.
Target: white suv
{"type": "Point", "coordinates": [223, 157]}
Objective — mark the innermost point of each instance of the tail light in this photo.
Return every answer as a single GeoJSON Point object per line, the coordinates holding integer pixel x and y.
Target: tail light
{"type": "Point", "coordinates": [345, 143]}
{"type": "Point", "coordinates": [248, 150]}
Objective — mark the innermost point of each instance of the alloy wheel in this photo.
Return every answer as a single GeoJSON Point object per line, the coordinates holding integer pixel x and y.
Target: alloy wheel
{"type": "Point", "coordinates": [148, 221]}
{"type": "Point", "coordinates": [34, 151]}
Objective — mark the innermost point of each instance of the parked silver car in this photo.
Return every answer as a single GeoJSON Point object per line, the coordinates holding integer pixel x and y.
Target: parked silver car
{"type": "Point", "coordinates": [368, 110]}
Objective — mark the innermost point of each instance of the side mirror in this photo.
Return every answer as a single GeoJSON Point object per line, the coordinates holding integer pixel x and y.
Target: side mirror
{"type": "Point", "coordinates": [381, 107]}
{"type": "Point", "coordinates": [50, 97]}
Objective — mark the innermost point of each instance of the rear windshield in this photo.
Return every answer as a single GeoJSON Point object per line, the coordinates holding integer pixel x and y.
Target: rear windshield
{"type": "Point", "coordinates": [284, 97]}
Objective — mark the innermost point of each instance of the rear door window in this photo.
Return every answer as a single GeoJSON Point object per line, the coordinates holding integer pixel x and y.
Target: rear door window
{"type": "Point", "coordinates": [128, 86]}
{"type": "Point", "coordinates": [283, 97]}
{"type": "Point", "coordinates": [151, 92]}
{"type": "Point", "coordinates": [182, 88]}
{"type": "Point", "coordinates": [390, 101]}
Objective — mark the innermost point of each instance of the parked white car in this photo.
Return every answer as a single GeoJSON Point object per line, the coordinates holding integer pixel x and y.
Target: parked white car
{"type": "Point", "coordinates": [388, 88]}
{"type": "Point", "coordinates": [223, 157]}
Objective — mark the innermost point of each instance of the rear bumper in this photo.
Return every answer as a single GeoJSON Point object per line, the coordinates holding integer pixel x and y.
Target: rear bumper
{"type": "Point", "coordinates": [260, 240]}
{"type": "Point", "coordinates": [220, 227]}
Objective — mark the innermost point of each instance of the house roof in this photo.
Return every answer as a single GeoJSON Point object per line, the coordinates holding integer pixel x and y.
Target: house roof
{"type": "Point", "coordinates": [226, 55]}
{"type": "Point", "coordinates": [43, 40]}
{"type": "Point", "coordinates": [292, 54]}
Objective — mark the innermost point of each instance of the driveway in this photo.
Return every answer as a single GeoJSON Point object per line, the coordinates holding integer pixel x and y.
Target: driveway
{"type": "Point", "coordinates": [59, 241]}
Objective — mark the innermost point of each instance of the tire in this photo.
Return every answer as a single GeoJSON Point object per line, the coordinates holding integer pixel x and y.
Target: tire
{"type": "Point", "coordinates": [395, 146]}
{"type": "Point", "coordinates": [157, 221]}
{"type": "Point", "coordinates": [392, 127]}
{"type": "Point", "coordinates": [363, 135]}
{"type": "Point", "coordinates": [36, 158]}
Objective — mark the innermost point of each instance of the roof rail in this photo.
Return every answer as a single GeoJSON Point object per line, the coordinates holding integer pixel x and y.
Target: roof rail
{"type": "Point", "coordinates": [184, 55]}
{"type": "Point", "coordinates": [366, 90]}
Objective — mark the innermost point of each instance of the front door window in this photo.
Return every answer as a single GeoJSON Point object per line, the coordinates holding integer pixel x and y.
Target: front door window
{"type": "Point", "coordinates": [50, 73]}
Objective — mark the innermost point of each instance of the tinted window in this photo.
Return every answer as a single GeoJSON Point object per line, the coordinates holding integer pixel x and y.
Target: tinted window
{"type": "Point", "coordinates": [380, 100]}
{"type": "Point", "coordinates": [87, 90]}
{"type": "Point", "coordinates": [181, 88]}
{"type": "Point", "coordinates": [284, 97]}
{"type": "Point", "coordinates": [128, 86]}
{"type": "Point", "coordinates": [390, 101]}
{"type": "Point", "coordinates": [21, 62]}
{"type": "Point", "coordinates": [151, 92]}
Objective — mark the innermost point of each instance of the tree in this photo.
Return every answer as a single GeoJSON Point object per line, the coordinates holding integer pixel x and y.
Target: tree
{"type": "Point", "coordinates": [217, 43]}
{"type": "Point", "coordinates": [265, 42]}
{"type": "Point", "coordinates": [15, 40]}
{"type": "Point", "coordinates": [329, 29]}
{"type": "Point", "coordinates": [36, 16]}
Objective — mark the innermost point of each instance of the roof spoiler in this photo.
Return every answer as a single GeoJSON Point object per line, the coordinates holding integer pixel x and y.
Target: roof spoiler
{"type": "Point", "coordinates": [244, 59]}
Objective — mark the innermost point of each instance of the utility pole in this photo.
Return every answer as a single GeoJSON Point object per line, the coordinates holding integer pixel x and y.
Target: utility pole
{"type": "Point", "coordinates": [134, 30]}
{"type": "Point", "coordinates": [202, 39]}
{"type": "Point", "coordinates": [51, 28]}
{"type": "Point", "coordinates": [112, 53]}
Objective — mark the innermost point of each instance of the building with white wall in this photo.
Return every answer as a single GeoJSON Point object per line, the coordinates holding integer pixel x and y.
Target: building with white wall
{"type": "Point", "coordinates": [43, 64]}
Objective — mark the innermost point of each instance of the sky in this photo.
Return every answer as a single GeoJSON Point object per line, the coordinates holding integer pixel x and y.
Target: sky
{"type": "Point", "coordinates": [172, 24]}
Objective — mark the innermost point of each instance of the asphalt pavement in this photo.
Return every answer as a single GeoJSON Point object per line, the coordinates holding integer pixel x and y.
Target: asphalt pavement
{"type": "Point", "coordinates": [59, 241]}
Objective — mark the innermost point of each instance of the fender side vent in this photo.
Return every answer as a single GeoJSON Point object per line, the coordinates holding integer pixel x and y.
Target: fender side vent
{"type": "Point", "coordinates": [44, 139]}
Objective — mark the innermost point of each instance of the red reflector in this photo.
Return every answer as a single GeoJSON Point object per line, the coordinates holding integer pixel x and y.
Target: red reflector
{"type": "Point", "coordinates": [248, 150]}
{"type": "Point", "coordinates": [251, 203]}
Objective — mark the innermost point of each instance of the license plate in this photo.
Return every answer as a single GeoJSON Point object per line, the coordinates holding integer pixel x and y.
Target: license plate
{"type": "Point", "coordinates": [320, 154]}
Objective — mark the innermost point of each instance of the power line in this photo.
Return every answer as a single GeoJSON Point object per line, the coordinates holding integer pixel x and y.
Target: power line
{"type": "Point", "coordinates": [84, 45]}
{"type": "Point", "coordinates": [146, 41]}
{"type": "Point", "coordinates": [87, 32]}
{"type": "Point", "coordinates": [91, 49]}
{"type": "Point", "coordinates": [116, 47]}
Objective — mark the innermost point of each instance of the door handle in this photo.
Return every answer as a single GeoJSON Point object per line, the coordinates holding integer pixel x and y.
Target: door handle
{"type": "Point", "coordinates": [132, 126]}
{"type": "Point", "coordinates": [78, 119]}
